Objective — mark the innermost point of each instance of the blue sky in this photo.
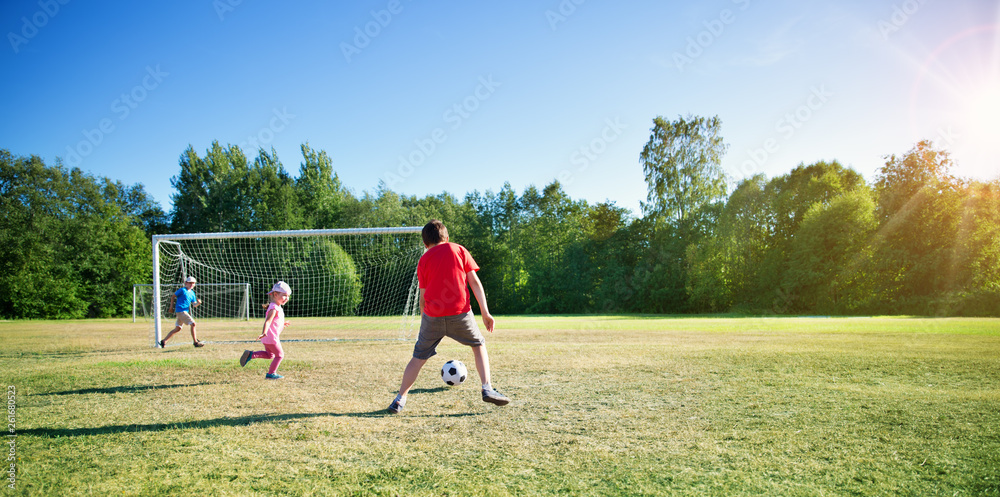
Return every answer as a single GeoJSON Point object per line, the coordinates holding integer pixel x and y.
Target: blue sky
{"type": "Point", "coordinates": [463, 96]}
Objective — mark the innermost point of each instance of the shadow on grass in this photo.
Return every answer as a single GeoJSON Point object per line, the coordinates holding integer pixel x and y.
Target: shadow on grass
{"type": "Point", "coordinates": [205, 423]}
{"type": "Point", "coordinates": [122, 389]}
{"type": "Point", "coordinates": [428, 390]}
{"type": "Point", "coordinates": [60, 354]}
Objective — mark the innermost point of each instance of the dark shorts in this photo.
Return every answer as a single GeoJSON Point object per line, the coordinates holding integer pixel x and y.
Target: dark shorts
{"type": "Point", "coordinates": [461, 327]}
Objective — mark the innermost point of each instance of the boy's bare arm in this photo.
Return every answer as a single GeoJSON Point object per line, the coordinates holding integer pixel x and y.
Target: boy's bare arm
{"type": "Point", "coordinates": [477, 290]}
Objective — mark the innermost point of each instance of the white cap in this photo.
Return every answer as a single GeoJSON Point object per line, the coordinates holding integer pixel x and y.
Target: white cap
{"type": "Point", "coordinates": [282, 287]}
{"type": "Point", "coordinates": [190, 279]}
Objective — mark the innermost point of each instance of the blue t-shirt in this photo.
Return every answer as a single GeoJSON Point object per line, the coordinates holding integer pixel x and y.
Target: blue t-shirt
{"type": "Point", "coordinates": [185, 298]}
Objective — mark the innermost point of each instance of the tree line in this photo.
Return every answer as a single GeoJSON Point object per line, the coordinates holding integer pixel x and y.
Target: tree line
{"type": "Point", "coordinates": [819, 239]}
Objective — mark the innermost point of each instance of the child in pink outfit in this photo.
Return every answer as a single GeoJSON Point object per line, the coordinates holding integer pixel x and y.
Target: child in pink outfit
{"type": "Point", "coordinates": [274, 323]}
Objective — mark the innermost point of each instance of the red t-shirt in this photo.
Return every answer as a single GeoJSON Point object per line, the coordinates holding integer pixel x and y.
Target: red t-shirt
{"type": "Point", "coordinates": [441, 274]}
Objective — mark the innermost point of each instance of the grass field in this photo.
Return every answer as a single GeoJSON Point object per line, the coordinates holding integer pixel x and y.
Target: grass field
{"type": "Point", "coordinates": [602, 405]}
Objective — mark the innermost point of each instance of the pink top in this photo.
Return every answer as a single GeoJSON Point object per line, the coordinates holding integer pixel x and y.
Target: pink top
{"type": "Point", "coordinates": [277, 324]}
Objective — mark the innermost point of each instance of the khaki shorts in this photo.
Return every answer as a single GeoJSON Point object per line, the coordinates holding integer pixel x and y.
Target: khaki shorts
{"type": "Point", "coordinates": [461, 327]}
{"type": "Point", "coordinates": [183, 318]}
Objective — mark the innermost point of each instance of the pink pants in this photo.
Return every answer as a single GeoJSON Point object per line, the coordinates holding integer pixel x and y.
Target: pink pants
{"type": "Point", "coordinates": [272, 351]}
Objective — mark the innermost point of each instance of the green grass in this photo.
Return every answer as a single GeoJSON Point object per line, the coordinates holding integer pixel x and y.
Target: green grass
{"type": "Point", "coordinates": [603, 405]}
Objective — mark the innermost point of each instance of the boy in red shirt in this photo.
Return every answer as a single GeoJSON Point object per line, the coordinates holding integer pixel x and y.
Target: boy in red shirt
{"type": "Point", "coordinates": [443, 273]}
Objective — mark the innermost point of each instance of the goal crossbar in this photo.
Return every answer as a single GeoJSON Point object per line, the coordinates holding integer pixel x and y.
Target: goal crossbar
{"type": "Point", "coordinates": [289, 233]}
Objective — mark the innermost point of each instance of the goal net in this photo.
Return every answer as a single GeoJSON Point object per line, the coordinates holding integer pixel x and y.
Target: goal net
{"type": "Point", "coordinates": [230, 300]}
{"type": "Point", "coordinates": [347, 284]}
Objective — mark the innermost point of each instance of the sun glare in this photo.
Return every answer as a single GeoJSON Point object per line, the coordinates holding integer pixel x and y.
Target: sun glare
{"type": "Point", "coordinates": [955, 100]}
{"type": "Point", "coordinates": [984, 110]}
{"type": "Point", "coordinates": [976, 152]}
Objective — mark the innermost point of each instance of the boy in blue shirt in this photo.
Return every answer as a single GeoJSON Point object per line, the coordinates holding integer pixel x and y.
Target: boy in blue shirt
{"type": "Point", "coordinates": [185, 300]}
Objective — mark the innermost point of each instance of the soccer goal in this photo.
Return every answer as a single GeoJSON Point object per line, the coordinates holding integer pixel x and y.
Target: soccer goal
{"type": "Point", "coordinates": [230, 300]}
{"type": "Point", "coordinates": [347, 284]}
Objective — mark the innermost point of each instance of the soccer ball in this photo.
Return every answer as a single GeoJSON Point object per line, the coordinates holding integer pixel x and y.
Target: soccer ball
{"type": "Point", "coordinates": [453, 372]}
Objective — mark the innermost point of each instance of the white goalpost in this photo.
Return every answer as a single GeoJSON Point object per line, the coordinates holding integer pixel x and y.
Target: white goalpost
{"type": "Point", "coordinates": [347, 284]}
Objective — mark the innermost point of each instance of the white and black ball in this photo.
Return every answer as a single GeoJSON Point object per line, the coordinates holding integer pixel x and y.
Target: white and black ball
{"type": "Point", "coordinates": [454, 373]}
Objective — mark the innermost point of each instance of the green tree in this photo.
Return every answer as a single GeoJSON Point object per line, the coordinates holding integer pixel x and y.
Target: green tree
{"type": "Point", "coordinates": [920, 239]}
{"type": "Point", "coordinates": [793, 194]}
{"type": "Point", "coordinates": [139, 205]}
{"type": "Point", "coordinates": [191, 211]}
{"type": "Point", "coordinates": [322, 197]}
{"type": "Point", "coordinates": [35, 204]}
{"type": "Point", "coordinates": [685, 190]}
{"type": "Point", "coordinates": [828, 254]}
{"type": "Point", "coordinates": [551, 243]}
{"type": "Point", "coordinates": [443, 206]}
{"type": "Point", "coordinates": [682, 165]}
{"type": "Point", "coordinates": [225, 192]}
{"type": "Point", "coordinates": [312, 293]}
{"type": "Point", "coordinates": [494, 238]}
{"type": "Point", "coordinates": [67, 248]}
{"type": "Point", "coordinates": [725, 268]}
{"type": "Point", "coordinates": [790, 197]}
{"type": "Point", "coordinates": [270, 196]}
{"type": "Point", "coordinates": [613, 249]}
{"type": "Point", "coordinates": [382, 208]}
{"type": "Point", "coordinates": [899, 180]}
{"type": "Point", "coordinates": [979, 233]}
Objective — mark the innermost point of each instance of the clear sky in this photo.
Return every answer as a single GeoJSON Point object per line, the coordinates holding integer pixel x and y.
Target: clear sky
{"type": "Point", "coordinates": [463, 96]}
